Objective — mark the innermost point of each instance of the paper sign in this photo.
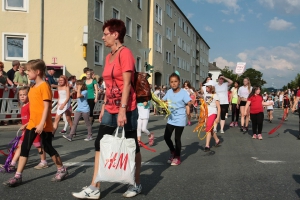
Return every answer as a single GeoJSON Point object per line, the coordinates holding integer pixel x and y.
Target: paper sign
{"type": "Point", "coordinates": [240, 68]}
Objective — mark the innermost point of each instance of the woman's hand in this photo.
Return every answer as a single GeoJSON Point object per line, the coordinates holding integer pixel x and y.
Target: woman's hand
{"type": "Point", "coordinates": [122, 120]}
{"type": "Point", "coordinates": [96, 100]}
{"type": "Point", "coordinates": [39, 129]}
{"type": "Point", "coordinates": [23, 127]}
{"type": "Point", "coordinates": [61, 107]}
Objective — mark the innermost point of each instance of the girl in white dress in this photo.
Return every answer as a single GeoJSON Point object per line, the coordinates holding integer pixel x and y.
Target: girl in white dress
{"type": "Point", "coordinates": [64, 102]}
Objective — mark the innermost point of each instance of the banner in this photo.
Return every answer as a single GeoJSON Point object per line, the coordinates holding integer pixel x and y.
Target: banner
{"type": "Point", "coordinates": [240, 68]}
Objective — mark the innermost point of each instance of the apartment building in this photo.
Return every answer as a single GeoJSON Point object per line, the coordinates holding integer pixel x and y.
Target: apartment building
{"type": "Point", "coordinates": [175, 44]}
{"type": "Point", "coordinates": [51, 30]}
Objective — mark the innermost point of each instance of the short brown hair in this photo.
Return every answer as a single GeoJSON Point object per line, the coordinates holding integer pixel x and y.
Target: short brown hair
{"type": "Point", "coordinates": [37, 64]}
{"type": "Point", "coordinates": [81, 82]}
{"type": "Point", "coordinates": [116, 25]}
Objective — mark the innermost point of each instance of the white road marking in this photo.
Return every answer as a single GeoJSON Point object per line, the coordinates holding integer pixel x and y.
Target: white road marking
{"type": "Point", "coordinates": [270, 161]}
{"type": "Point", "coordinates": [255, 158]}
{"type": "Point", "coordinates": [92, 164]}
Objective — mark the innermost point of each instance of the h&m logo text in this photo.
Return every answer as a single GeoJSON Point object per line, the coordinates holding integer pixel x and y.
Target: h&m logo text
{"type": "Point", "coordinates": [116, 161]}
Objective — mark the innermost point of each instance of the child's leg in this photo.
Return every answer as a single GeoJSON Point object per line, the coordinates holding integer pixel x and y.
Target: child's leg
{"type": "Point", "coordinates": [77, 116]}
{"type": "Point", "coordinates": [87, 123]}
{"type": "Point", "coordinates": [254, 123]}
{"type": "Point", "coordinates": [242, 110]}
{"type": "Point", "coordinates": [209, 128]}
{"type": "Point", "coordinates": [208, 138]}
{"type": "Point", "coordinates": [55, 123]}
{"type": "Point", "coordinates": [247, 118]}
{"type": "Point", "coordinates": [68, 117]}
{"type": "Point", "coordinates": [47, 144]}
{"type": "Point", "coordinates": [144, 127]}
{"type": "Point", "coordinates": [167, 136]}
{"type": "Point", "coordinates": [66, 122]}
{"type": "Point", "coordinates": [139, 129]}
{"type": "Point", "coordinates": [233, 110]}
{"type": "Point", "coordinates": [237, 114]}
{"type": "Point", "coordinates": [16, 156]}
{"type": "Point", "coordinates": [178, 133]}
{"type": "Point", "coordinates": [271, 114]}
{"type": "Point", "coordinates": [260, 121]}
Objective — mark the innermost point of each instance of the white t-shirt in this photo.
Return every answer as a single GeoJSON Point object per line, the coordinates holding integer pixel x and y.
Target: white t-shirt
{"type": "Point", "coordinates": [271, 106]}
{"type": "Point", "coordinates": [210, 100]}
{"type": "Point", "coordinates": [281, 97]}
{"type": "Point", "coordinates": [222, 91]}
{"type": "Point", "coordinates": [204, 90]}
{"type": "Point", "coordinates": [244, 92]}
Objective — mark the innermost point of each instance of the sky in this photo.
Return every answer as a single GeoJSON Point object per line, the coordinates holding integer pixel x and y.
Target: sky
{"type": "Point", "coordinates": [263, 33]}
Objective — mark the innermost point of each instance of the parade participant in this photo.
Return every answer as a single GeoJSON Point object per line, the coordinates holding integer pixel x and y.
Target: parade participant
{"type": "Point", "coordinates": [188, 88]}
{"type": "Point", "coordinates": [270, 108]}
{"type": "Point", "coordinates": [194, 104]}
{"type": "Point", "coordinates": [92, 95]}
{"type": "Point", "coordinates": [203, 87]}
{"type": "Point", "coordinates": [179, 103]}
{"type": "Point", "coordinates": [119, 108]}
{"type": "Point", "coordinates": [214, 111]}
{"type": "Point", "coordinates": [222, 91]}
{"type": "Point", "coordinates": [281, 99]}
{"type": "Point", "coordinates": [256, 111]}
{"type": "Point", "coordinates": [40, 122]}
{"type": "Point", "coordinates": [82, 110]}
{"type": "Point", "coordinates": [144, 111]}
{"type": "Point", "coordinates": [25, 115]}
{"type": "Point", "coordinates": [235, 111]}
{"type": "Point", "coordinates": [64, 102]}
{"type": "Point", "coordinates": [296, 106]}
{"type": "Point", "coordinates": [243, 94]}
{"type": "Point", "coordinates": [286, 105]}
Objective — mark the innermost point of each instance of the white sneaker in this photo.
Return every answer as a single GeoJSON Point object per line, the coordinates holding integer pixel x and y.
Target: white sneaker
{"type": "Point", "coordinates": [133, 190]}
{"type": "Point", "coordinates": [88, 139]}
{"type": "Point", "coordinates": [87, 193]}
{"type": "Point", "coordinates": [221, 131]}
{"type": "Point", "coordinates": [41, 166]}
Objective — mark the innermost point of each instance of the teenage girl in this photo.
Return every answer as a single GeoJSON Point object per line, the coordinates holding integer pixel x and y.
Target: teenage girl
{"type": "Point", "coordinates": [188, 88]}
{"type": "Point", "coordinates": [235, 111]}
{"type": "Point", "coordinates": [25, 114]}
{"type": "Point", "coordinates": [179, 106]}
{"type": "Point", "coordinates": [270, 108]}
{"type": "Point", "coordinates": [222, 91]}
{"type": "Point", "coordinates": [64, 102]}
{"type": "Point", "coordinates": [243, 94]}
{"type": "Point", "coordinates": [256, 111]}
{"type": "Point", "coordinates": [214, 111]}
{"type": "Point", "coordinates": [92, 95]}
{"type": "Point", "coordinates": [82, 110]}
{"type": "Point", "coordinates": [203, 87]}
{"type": "Point", "coordinates": [286, 106]}
{"type": "Point", "coordinates": [144, 110]}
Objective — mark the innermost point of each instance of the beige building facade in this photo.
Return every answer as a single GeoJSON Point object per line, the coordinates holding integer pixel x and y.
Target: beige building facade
{"type": "Point", "coordinates": [58, 40]}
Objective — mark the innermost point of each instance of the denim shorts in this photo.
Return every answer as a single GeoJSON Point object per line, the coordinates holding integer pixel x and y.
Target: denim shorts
{"type": "Point", "coordinates": [112, 120]}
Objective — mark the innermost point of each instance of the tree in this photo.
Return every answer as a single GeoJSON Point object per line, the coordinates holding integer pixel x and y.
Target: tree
{"type": "Point", "coordinates": [293, 84]}
{"type": "Point", "coordinates": [254, 76]}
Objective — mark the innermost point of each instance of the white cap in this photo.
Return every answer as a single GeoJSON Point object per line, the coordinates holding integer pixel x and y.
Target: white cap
{"type": "Point", "coordinates": [210, 82]}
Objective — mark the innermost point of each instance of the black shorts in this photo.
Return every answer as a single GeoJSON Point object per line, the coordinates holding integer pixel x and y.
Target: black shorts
{"type": "Point", "coordinates": [243, 103]}
{"type": "Point", "coordinates": [269, 110]}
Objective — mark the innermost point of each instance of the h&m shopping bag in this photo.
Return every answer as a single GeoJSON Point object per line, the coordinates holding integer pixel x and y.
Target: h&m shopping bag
{"type": "Point", "coordinates": [117, 159]}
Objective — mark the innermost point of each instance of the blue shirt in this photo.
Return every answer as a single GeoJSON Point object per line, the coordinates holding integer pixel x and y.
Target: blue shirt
{"type": "Point", "coordinates": [82, 104]}
{"type": "Point", "coordinates": [177, 102]}
{"type": "Point", "coordinates": [50, 80]}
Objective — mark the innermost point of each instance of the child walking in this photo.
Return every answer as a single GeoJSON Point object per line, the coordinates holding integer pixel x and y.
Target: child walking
{"type": "Point", "coordinates": [286, 106]}
{"type": "Point", "coordinates": [144, 110]}
{"type": "Point", "coordinates": [214, 112]}
{"type": "Point", "coordinates": [40, 123]}
{"type": "Point", "coordinates": [255, 102]}
{"type": "Point", "coordinates": [179, 105]}
{"type": "Point", "coordinates": [25, 115]}
{"type": "Point", "coordinates": [82, 110]}
{"type": "Point", "coordinates": [64, 102]}
{"type": "Point", "coordinates": [270, 108]}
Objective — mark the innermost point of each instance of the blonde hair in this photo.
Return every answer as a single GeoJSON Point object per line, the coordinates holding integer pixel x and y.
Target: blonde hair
{"type": "Point", "coordinates": [249, 84]}
{"type": "Point", "coordinates": [65, 79]}
{"type": "Point", "coordinates": [37, 64]}
{"type": "Point", "coordinates": [212, 89]}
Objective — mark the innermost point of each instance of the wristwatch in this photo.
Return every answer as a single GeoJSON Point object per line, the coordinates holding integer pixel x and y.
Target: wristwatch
{"type": "Point", "coordinates": [123, 106]}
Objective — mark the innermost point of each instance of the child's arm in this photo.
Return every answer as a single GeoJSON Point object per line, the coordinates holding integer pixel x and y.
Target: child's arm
{"type": "Point", "coordinates": [40, 127]}
{"type": "Point", "coordinates": [219, 112]}
{"type": "Point", "coordinates": [247, 107]}
{"type": "Point", "coordinates": [96, 92]}
{"type": "Point", "coordinates": [267, 103]}
{"type": "Point", "coordinates": [79, 91]}
{"type": "Point", "coordinates": [187, 107]}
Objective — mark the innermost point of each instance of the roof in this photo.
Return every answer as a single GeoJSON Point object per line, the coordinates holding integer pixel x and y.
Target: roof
{"type": "Point", "coordinates": [212, 67]}
{"type": "Point", "coordinates": [190, 23]}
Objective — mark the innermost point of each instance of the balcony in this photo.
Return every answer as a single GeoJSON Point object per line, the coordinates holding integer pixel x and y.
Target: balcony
{"type": "Point", "coordinates": [197, 77]}
{"type": "Point", "coordinates": [198, 62]}
{"type": "Point", "coordinates": [197, 47]}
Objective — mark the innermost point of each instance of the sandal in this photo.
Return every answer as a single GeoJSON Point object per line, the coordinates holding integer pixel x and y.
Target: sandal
{"type": "Point", "coordinates": [218, 143]}
{"type": "Point", "coordinates": [151, 139]}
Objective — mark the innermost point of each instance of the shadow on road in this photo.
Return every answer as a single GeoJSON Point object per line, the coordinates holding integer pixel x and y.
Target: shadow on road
{"type": "Point", "coordinates": [297, 179]}
{"type": "Point", "coordinates": [292, 132]}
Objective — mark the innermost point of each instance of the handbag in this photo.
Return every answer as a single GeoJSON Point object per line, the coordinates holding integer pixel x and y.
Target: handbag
{"type": "Point", "coordinates": [117, 159]}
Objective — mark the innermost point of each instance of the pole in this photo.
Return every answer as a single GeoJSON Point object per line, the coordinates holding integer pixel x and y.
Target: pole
{"type": "Point", "coordinates": [42, 31]}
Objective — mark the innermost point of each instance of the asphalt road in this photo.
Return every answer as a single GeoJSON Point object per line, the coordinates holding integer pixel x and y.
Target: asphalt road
{"type": "Point", "coordinates": [242, 168]}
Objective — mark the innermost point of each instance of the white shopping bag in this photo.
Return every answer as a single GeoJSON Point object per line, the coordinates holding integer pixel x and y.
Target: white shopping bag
{"type": "Point", "coordinates": [117, 159]}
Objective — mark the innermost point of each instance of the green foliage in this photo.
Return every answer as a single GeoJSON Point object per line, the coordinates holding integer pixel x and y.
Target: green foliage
{"type": "Point", "coordinates": [293, 84]}
{"type": "Point", "coordinates": [254, 76]}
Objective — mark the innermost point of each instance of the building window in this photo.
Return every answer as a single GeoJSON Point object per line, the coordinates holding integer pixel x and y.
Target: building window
{"type": "Point", "coordinates": [169, 33]}
{"type": "Point", "coordinates": [115, 14]}
{"type": "Point", "coordinates": [158, 14]}
{"type": "Point", "coordinates": [168, 57]}
{"type": "Point", "coordinates": [139, 4]}
{"type": "Point", "coordinates": [188, 31]}
{"type": "Point", "coordinates": [169, 10]}
{"type": "Point", "coordinates": [128, 26]}
{"type": "Point", "coordinates": [139, 32]}
{"type": "Point", "coordinates": [174, 50]}
{"type": "Point", "coordinates": [180, 22]}
{"type": "Point", "coordinates": [15, 46]}
{"type": "Point", "coordinates": [158, 42]}
{"type": "Point", "coordinates": [99, 10]}
{"type": "Point", "coordinates": [16, 5]}
{"type": "Point", "coordinates": [174, 29]}
{"type": "Point", "coordinates": [188, 48]}
{"type": "Point", "coordinates": [184, 26]}
{"type": "Point", "coordinates": [98, 53]}
{"type": "Point", "coordinates": [138, 64]}
{"type": "Point", "coordinates": [179, 42]}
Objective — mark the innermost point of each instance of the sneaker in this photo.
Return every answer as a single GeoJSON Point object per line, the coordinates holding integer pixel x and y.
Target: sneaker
{"type": "Point", "coordinates": [176, 161]}
{"type": "Point", "coordinates": [171, 158]}
{"type": "Point", "coordinates": [87, 193]}
{"type": "Point", "coordinates": [11, 168]}
{"type": "Point", "coordinates": [286, 119]}
{"type": "Point", "coordinates": [60, 175]}
{"type": "Point", "coordinates": [242, 129]}
{"type": "Point", "coordinates": [63, 132]}
{"type": "Point", "coordinates": [133, 190]}
{"type": "Point", "coordinates": [245, 129]}
{"type": "Point", "coordinates": [206, 149]}
{"type": "Point", "coordinates": [189, 123]}
{"type": "Point", "coordinates": [41, 166]}
{"type": "Point", "coordinates": [231, 124]}
{"type": "Point", "coordinates": [68, 137]}
{"type": "Point", "coordinates": [259, 137]}
{"type": "Point", "coordinates": [13, 182]}
{"type": "Point", "coordinates": [88, 138]}
{"type": "Point", "coordinates": [221, 131]}
{"type": "Point", "coordinates": [236, 124]}
{"type": "Point", "coordinates": [254, 136]}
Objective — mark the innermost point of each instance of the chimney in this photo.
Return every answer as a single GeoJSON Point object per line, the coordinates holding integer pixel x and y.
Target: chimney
{"type": "Point", "coordinates": [214, 63]}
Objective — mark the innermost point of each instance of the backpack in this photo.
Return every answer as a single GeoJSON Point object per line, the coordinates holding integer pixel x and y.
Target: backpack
{"type": "Point", "coordinates": [141, 85]}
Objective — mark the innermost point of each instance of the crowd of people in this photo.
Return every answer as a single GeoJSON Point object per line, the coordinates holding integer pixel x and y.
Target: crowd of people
{"type": "Point", "coordinates": [121, 109]}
